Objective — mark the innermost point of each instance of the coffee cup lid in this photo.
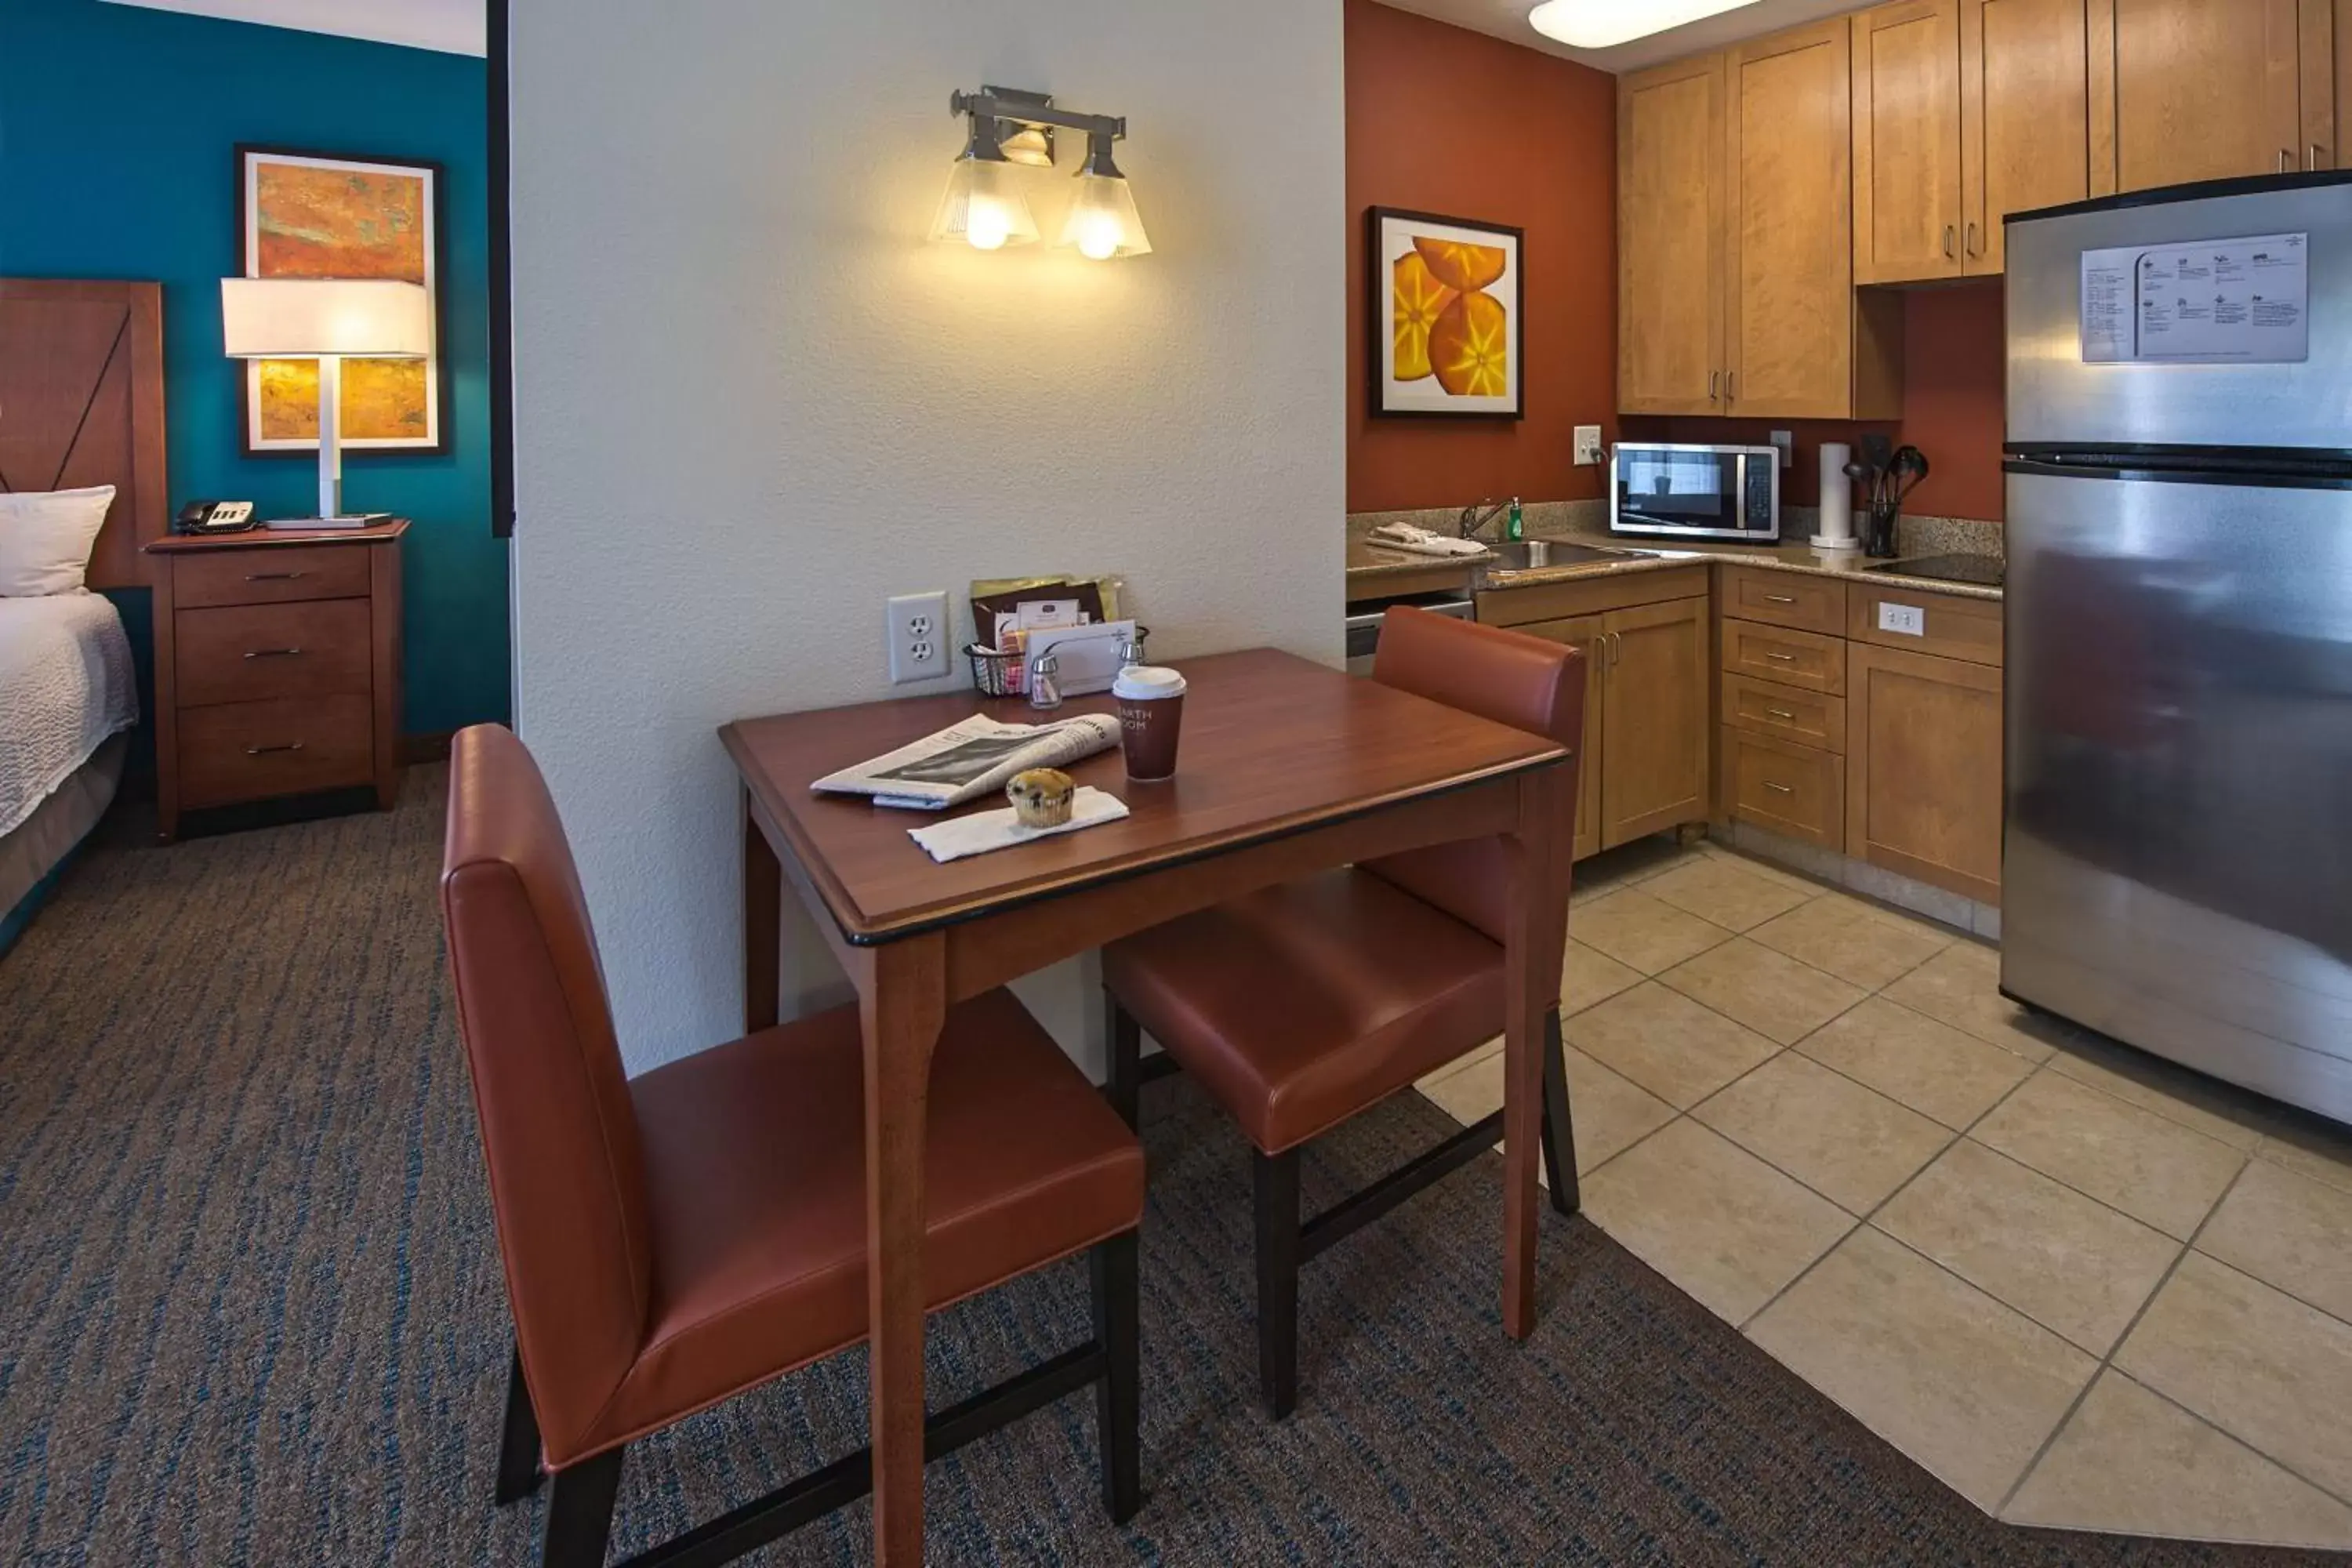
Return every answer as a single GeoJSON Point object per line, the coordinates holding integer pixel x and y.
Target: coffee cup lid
{"type": "Point", "coordinates": [1142, 682]}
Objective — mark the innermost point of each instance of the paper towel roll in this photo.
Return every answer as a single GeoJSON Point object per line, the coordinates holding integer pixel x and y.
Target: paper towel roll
{"type": "Point", "coordinates": [1837, 500]}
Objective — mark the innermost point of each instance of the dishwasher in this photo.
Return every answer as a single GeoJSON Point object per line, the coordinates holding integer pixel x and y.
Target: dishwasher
{"type": "Point", "coordinates": [1364, 622]}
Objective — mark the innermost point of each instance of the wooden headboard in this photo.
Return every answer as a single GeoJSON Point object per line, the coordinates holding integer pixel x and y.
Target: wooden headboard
{"type": "Point", "coordinates": [81, 403]}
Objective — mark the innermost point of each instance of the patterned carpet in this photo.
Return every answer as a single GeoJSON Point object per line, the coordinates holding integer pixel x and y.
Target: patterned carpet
{"type": "Point", "coordinates": [251, 1312]}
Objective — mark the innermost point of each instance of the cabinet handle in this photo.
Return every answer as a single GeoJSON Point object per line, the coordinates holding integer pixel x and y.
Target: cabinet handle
{"type": "Point", "coordinates": [1777, 788]}
{"type": "Point", "coordinates": [2318, 155]}
{"type": "Point", "coordinates": [1780, 598]}
{"type": "Point", "coordinates": [1948, 253]}
{"type": "Point", "coordinates": [2286, 162]}
{"type": "Point", "coordinates": [274, 653]}
{"type": "Point", "coordinates": [1973, 250]}
{"type": "Point", "coordinates": [273, 576]}
{"type": "Point", "coordinates": [1713, 384]}
{"type": "Point", "coordinates": [264, 751]}
{"type": "Point", "coordinates": [1782, 658]}
{"type": "Point", "coordinates": [1730, 385]}
{"type": "Point", "coordinates": [1781, 713]}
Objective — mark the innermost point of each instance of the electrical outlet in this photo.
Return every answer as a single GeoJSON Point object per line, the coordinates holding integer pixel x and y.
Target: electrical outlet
{"type": "Point", "coordinates": [1909, 620]}
{"type": "Point", "coordinates": [918, 626]}
{"type": "Point", "coordinates": [1588, 443]}
{"type": "Point", "coordinates": [1787, 441]}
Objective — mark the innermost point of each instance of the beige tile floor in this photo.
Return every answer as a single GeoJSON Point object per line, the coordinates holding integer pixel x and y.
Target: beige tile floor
{"type": "Point", "coordinates": [2086, 1289]}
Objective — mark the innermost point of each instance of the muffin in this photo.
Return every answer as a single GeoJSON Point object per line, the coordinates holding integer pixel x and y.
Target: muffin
{"type": "Point", "coordinates": [1041, 798]}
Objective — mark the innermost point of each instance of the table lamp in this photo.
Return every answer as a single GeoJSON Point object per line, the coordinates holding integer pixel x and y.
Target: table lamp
{"type": "Point", "coordinates": [326, 319]}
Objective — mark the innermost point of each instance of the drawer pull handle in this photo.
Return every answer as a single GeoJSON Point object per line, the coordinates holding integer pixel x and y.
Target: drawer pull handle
{"type": "Point", "coordinates": [1777, 788]}
{"type": "Point", "coordinates": [274, 653]}
{"type": "Point", "coordinates": [1781, 713]}
{"type": "Point", "coordinates": [1783, 657]}
{"type": "Point", "coordinates": [264, 751]}
{"type": "Point", "coordinates": [274, 576]}
{"type": "Point", "coordinates": [1780, 598]}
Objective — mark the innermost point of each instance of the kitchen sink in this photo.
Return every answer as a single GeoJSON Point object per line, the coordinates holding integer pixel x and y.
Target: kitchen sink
{"type": "Point", "coordinates": [1525, 554]}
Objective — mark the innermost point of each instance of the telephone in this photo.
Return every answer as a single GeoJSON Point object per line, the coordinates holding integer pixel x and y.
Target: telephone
{"type": "Point", "coordinates": [215, 517]}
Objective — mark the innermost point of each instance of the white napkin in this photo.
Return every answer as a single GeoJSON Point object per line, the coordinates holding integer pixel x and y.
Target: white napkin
{"type": "Point", "coordinates": [985, 830]}
{"type": "Point", "coordinates": [1416, 541]}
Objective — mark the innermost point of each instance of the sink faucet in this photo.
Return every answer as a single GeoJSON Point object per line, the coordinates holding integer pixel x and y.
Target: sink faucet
{"type": "Point", "coordinates": [1474, 522]}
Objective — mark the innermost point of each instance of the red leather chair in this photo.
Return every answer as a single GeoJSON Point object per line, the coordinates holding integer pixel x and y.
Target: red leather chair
{"type": "Point", "coordinates": [1302, 1004]}
{"type": "Point", "coordinates": [678, 1238]}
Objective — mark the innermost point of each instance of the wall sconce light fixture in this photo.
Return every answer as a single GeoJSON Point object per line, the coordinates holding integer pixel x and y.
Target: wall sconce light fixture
{"type": "Point", "coordinates": [983, 206]}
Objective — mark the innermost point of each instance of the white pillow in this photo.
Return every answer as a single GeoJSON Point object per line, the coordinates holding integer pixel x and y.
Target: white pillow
{"type": "Point", "coordinates": [46, 538]}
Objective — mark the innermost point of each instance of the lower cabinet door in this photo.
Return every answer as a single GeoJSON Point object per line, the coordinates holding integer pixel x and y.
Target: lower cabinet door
{"type": "Point", "coordinates": [1655, 723]}
{"type": "Point", "coordinates": [1790, 789]}
{"type": "Point", "coordinates": [1924, 755]}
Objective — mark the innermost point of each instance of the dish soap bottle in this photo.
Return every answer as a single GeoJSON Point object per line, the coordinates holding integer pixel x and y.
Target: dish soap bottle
{"type": "Point", "coordinates": [1517, 528]}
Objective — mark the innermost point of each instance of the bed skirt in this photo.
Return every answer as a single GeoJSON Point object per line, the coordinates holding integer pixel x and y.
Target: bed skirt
{"type": "Point", "coordinates": [32, 857]}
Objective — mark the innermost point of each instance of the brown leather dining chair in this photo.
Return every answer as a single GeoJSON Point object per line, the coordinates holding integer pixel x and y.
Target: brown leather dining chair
{"type": "Point", "coordinates": [680, 1237]}
{"type": "Point", "coordinates": [1301, 1005]}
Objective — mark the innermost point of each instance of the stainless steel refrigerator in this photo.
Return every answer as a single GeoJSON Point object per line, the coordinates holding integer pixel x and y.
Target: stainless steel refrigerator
{"type": "Point", "coordinates": [2177, 868]}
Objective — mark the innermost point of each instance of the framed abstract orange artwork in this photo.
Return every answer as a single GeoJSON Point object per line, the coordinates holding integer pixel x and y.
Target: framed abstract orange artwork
{"type": "Point", "coordinates": [312, 214]}
{"type": "Point", "coordinates": [1447, 310]}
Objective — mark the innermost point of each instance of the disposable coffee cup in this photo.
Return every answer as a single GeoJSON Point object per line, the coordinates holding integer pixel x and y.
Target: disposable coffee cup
{"type": "Point", "coordinates": [1150, 716]}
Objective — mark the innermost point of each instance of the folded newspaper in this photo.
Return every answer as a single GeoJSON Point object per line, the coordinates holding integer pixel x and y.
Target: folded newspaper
{"type": "Point", "coordinates": [968, 759]}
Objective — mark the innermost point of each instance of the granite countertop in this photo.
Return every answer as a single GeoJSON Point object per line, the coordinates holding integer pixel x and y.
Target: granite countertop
{"type": "Point", "coordinates": [1368, 564]}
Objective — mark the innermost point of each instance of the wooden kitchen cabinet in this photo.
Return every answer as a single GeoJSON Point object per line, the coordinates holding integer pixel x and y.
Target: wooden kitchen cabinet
{"type": "Point", "coordinates": [1670, 174]}
{"type": "Point", "coordinates": [1801, 340]}
{"type": "Point", "coordinates": [2025, 117]}
{"type": "Point", "coordinates": [2202, 89]}
{"type": "Point", "coordinates": [1907, 184]}
{"type": "Point", "coordinates": [1924, 767]}
{"type": "Point", "coordinates": [1645, 767]}
{"type": "Point", "coordinates": [1654, 720]}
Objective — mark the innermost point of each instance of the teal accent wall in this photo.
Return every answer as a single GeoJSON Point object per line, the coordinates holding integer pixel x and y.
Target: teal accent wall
{"type": "Point", "coordinates": [117, 130]}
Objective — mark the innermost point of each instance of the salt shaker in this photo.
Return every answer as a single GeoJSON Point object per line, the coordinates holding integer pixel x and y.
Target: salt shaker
{"type": "Point", "coordinates": [1045, 690]}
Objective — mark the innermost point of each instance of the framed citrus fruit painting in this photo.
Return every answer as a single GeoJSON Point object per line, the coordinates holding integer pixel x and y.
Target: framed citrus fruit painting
{"type": "Point", "coordinates": [311, 214]}
{"type": "Point", "coordinates": [1447, 312]}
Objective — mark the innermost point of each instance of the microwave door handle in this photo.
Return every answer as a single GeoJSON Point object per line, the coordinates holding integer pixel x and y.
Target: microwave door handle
{"type": "Point", "coordinates": [1738, 518]}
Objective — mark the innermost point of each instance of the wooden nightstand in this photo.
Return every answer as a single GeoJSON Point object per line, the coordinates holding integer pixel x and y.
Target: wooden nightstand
{"type": "Point", "coordinates": [277, 665]}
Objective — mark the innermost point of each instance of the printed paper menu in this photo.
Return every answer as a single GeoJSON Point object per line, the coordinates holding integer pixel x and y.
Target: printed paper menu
{"type": "Point", "coordinates": [2225, 301]}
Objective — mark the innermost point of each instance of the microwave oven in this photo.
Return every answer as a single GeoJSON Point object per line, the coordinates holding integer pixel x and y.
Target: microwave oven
{"type": "Point", "coordinates": [1658, 491]}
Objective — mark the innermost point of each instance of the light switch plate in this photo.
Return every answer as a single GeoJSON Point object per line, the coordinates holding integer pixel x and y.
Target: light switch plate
{"type": "Point", "coordinates": [1588, 443]}
{"type": "Point", "coordinates": [1787, 441]}
{"type": "Point", "coordinates": [1910, 620]}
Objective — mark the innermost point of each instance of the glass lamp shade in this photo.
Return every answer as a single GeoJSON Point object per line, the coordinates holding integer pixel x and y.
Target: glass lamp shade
{"type": "Point", "coordinates": [983, 206]}
{"type": "Point", "coordinates": [1103, 222]}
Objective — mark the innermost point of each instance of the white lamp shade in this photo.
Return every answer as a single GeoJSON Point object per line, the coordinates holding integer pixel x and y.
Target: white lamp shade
{"type": "Point", "coordinates": [1103, 222]}
{"type": "Point", "coordinates": [297, 318]}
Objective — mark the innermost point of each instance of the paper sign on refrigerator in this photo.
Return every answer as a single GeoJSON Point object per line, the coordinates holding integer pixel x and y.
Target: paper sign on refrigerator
{"type": "Point", "coordinates": [2208, 302]}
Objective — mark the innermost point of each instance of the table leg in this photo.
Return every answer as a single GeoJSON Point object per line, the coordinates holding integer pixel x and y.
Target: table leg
{"type": "Point", "coordinates": [763, 934]}
{"type": "Point", "coordinates": [902, 994]}
{"type": "Point", "coordinates": [1538, 938]}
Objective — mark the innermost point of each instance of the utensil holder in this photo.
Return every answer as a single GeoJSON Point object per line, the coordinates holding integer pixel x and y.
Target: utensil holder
{"type": "Point", "coordinates": [1878, 539]}
{"type": "Point", "coordinates": [993, 670]}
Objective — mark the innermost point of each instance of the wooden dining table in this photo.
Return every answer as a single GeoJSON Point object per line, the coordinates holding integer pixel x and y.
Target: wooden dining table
{"type": "Point", "coordinates": [1287, 767]}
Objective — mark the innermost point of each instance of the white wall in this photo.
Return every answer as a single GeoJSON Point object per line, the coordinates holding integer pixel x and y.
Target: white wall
{"type": "Point", "coordinates": [753, 400]}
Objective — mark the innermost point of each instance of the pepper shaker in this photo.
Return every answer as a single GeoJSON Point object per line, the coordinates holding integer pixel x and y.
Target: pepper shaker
{"type": "Point", "coordinates": [1045, 690]}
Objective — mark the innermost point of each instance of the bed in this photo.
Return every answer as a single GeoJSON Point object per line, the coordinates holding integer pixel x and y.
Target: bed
{"type": "Point", "coordinates": [81, 403]}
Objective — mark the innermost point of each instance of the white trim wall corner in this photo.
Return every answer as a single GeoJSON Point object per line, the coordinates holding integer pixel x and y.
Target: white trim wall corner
{"type": "Point", "coordinates": [752, 401]}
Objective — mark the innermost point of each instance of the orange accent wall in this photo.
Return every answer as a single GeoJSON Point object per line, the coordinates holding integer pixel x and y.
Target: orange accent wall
{"type": "Point", "coordinates": [1442, 119]}
{"type": "Point", "coordinates": [1446, 121]}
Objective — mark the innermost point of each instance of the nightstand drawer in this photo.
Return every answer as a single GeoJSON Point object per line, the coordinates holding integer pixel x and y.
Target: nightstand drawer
{"type": "Point", "coordinates": [248, 653]}
{"type": "Point", "coordinates": [246, 750]}
{"type": "Point", "coordinates": [1796, 790]}
{"type": "Point", "coordinates": [1785, 655]}
{"type": "Point", "coordinates": [269, 574]}
{"type": "Point", "coordinates": [1765, 708]}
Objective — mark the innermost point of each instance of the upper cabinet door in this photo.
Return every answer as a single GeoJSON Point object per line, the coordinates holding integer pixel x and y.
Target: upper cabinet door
{"type": "Point", "coordinates": [2194, 90]}
{"type": "Point", "coordinates": [2025, 116]}
{"type": "Point", "coordinates": [1670, 239]}
{"type": "Point", "coordinates": [1791, 235]}
{"type": "Point", "coordinates": [1907, 218]}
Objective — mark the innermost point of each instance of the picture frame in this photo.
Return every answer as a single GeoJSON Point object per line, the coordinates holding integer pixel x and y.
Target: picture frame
{"type": "Point", "coordinates": [1435, 350]}
{"type": "Point", "coordinates": [302, 213]}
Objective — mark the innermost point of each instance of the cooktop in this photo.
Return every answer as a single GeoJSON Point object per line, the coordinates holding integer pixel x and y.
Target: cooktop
{"type": "Point", "coordinates": [1984, 571]}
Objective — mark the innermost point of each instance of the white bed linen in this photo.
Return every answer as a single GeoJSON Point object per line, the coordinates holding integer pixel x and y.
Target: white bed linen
{"type": "Point", "coordinates": [66, 684]}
